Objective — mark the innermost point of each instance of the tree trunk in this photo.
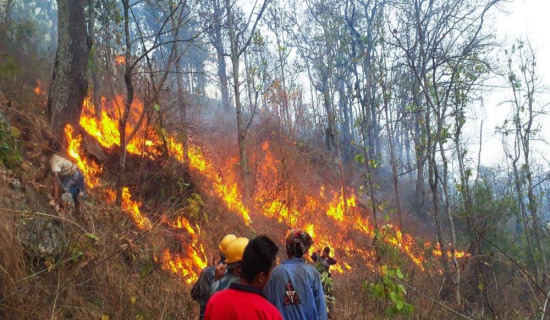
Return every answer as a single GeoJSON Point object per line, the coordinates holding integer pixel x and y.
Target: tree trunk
{"type": "Point", "coordinates": [121, 177]}
{"type": "Point", "coordinates": [525, 219]}
{"type": "Point", "coordinates": [448, 211]}
{"type": "Point", "coordinates": [94, 65]}
{"type": "Point", "coordinates": [391, 151]}
{"type": "Point", "coordinates": [69, 81]}
{"type": "Point", "coordinates": [241, 133]}
{"type": "Point", "coordinates": [217, 42]}
{"type": "Point", "coordinates": [183, 107]}
{"type": "Point", "coordinates": [345, 125]}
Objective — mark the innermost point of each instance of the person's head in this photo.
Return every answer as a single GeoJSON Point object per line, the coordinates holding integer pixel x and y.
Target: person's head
{"type": "Point", "coordinates": [326, 251]}
{"type": "Point", "coordinates": [224, 243]}
{"type": "Point", "coordinates": [54, 146]}
{"type": "Point", "coordinates": [258, 261]}
{"type": "Point", "coordinates": [234, 253]}
{"type": "Point", "coordinates": [298, 243]}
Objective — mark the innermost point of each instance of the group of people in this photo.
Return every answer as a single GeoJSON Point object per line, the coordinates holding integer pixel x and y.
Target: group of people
{"type": "Point", "coordinates": [246, 284]}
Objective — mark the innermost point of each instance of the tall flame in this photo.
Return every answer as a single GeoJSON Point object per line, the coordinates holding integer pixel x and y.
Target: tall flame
{"type": "Point", "coordinates": [188, 266]}
{"type": "Point", "coordinates": [104, 127]}
{"type": "Point", "coordinates": [90, 169]}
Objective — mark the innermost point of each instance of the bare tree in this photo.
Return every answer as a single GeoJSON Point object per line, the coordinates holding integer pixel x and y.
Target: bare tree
{"type": "Point", "coordinates": [239, 42]}
{"type": "Point", "coordinates": [522, 79]}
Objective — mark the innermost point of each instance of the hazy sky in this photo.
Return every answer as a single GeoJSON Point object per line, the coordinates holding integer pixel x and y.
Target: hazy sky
{"type": "Point", "coordinates": [519, 18]}
{"type": "Point", "coordinates": [529, 18]}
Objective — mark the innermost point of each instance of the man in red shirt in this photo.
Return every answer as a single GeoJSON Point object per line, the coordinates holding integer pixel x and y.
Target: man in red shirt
{"type": "Point", "coordinates": [243, 300]}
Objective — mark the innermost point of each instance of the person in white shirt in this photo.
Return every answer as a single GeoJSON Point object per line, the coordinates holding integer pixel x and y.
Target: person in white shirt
{"type": "Point", "coordinates": [67, 175]}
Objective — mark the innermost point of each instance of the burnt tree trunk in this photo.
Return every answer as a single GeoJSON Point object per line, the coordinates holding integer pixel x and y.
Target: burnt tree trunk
{"type": "Point", "coordinates": [69, 81]}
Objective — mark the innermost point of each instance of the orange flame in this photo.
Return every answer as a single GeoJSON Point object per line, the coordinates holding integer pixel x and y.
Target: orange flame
{"type": "Point", "coordinates": [89, 169]}
{"type": "Point", "coordinates": [120, 60]}
{"type": "Point", "coordinates": [38, 89]}
{"type": "Point", "coordinates": [105, 128]}
{"type": "Point", "coordinates": [224, 187]}
{"type": "Point", "coordinates": [132, 207]}
{"type": "Point", "coordinates": [195, 260]}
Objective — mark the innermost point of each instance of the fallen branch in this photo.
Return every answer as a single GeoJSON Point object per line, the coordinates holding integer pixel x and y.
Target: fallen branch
{"type": "Point", "coordinates": [44, 215]}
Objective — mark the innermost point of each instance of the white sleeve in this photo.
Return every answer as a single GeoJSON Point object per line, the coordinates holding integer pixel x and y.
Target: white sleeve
{"type": "Point", "coordinates": [55, 165]}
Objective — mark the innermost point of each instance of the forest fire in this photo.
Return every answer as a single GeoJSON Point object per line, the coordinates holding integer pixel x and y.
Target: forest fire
{"type": "Point", "coordinates": [274, 198]}
{"type": "Point", "coordinates": [39, 88]}
{"type": "Point", "coordinates": [89, 168]}
{"type": "Point", "coordinates": [225, 187]}
{"type": "Point", "coordinates": [120, 60]}
{"type": "Point", "coordinates": [131, 207]}
{"type": "Point", "coordinates": [188, 266]}
{"type": "Point", "coordinates": [104, 127]}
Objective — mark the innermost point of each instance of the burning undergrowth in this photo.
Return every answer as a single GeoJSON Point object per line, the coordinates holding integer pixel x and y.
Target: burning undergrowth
{"type": "Point", "coordinates": [284, 193]}
{"type": "Point", "coordinates": [179, 210]}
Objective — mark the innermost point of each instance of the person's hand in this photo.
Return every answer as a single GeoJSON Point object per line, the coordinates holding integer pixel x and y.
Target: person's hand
{"type": "Point", "coordinates": [219, 271]}
{"type": "Point", "coordinates": [55, 205]}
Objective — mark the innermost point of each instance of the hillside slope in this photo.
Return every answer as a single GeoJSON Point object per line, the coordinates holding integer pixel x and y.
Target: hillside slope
{"type": "Point", "coordinates": [138, 261]}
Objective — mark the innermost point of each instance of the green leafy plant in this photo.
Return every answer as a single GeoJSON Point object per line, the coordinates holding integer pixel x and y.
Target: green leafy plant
{"type": "Point", "coordinates": [10, 155]}
{"type": "Point", "coordinates": [326, 282]}
{"type": "Point", "coordinates": [389, 290]}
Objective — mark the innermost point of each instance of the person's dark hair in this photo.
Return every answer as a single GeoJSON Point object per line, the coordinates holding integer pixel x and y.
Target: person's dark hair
{"type": "Point", "coordinates": [326, 250]}
{"type": "Point", "coordinates": [259, 256]}
{"type": "Point", "coordinates": [54, 145]}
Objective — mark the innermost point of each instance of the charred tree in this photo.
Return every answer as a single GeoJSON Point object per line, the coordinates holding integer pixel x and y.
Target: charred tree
{"type": "Point", "coordinates": [69, 80]}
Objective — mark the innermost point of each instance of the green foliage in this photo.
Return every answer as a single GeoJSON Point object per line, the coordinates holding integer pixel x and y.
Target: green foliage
{"type": "Point", "coordinates": [146, 267]}
{"type": "Point", "coordinates": [10, 156]}
{"type": "Point", "coordinates": [359, 158]}
{"type": "Point", "coordinates": [75, 251]}
{"type": "Point", "coordinates": [326, 282]}
{"type": "Point", "coordinates": [8, 67]}
{"type": "Point", "coordinates": [388, 252]}
{"type": "Point", "coordinates": [389, 290]}
{"type": "Point", "coordinates": [194, 207]}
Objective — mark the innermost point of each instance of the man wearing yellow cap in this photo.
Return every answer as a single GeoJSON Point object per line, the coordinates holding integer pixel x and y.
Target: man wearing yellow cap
{"type": "Point", "coordinates": [233, 258]}
{"type": "Point", "coordinates": [201, 290]}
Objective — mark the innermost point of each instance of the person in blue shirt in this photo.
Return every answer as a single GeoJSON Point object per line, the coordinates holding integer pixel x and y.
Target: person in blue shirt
{"type": "Point", "coordinates": [295, 287]}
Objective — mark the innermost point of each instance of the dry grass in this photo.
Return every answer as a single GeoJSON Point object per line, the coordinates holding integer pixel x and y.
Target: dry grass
{"type": "Point", "coordinates": [12, 261]}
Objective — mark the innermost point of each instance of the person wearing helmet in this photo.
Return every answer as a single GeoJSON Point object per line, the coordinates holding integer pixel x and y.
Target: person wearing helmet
{"type": "Point", "coordinates": [295, 287]}
{"type": "Point", "coordinates": [201, 290]}
{"type": "Point", "coordinates": [234, 256]}
{"type": "Point", "coordinates": [243, 299]}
